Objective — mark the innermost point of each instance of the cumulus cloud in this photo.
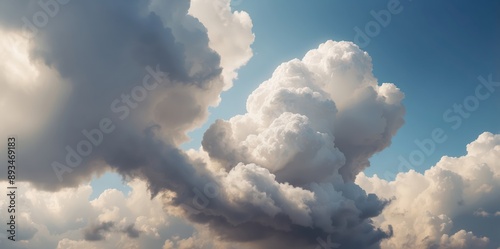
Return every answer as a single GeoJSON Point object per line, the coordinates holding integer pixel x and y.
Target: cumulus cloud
{"type": "Point", "coordinates": [451, 205]}
{"type": "Point", "coordinates": [70, 219]}
{"type": "Point", "coordinates": [327, 110]}
{"type": "Point", "coordinates": [285, 174]}
{"type": "Point", "coordinates": [147, 71]}
{"type": "Point", "coordinates": [230, 34]}
{"type": "Point", "coordinates": [97, 231]}
{"type": "Point", "coordinates": [288, 164]}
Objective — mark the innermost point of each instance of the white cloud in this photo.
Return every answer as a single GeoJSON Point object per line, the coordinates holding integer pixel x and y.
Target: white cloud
{"type": "Point", "coordinates": [52, 89]}
{"type": "Point", "coordinates": [285, 169]}
{"type": "Point", "coordinates": [481, 212]}
{"type": "Point", "coordinates": [230, 34]}
{"type": "Point", "coordinates": [446, 206]}
{"type": "Point", "coordinates": [59, 220]}
{"type": "Point", "coordinates": [315, 117]}
{"type": "Point", "coordinates": [307, 132]}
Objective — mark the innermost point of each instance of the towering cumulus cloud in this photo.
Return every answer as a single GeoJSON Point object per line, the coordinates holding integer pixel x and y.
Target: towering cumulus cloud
{"type": "Point", "coordinates": [315, 117]}
{"type": "Point", "coordinates": [288, 164]}
{"type": "Point", "coordinates": [120, 83]}
{"type": "Point", "coordinates": [230, 34]}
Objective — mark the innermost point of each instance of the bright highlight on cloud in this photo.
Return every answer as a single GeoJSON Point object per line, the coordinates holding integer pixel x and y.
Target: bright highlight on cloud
{"type": "Point", "coordinates": [229, 32]}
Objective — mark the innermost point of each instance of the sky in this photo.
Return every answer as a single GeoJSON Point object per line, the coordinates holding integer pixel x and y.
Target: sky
{"type": "Point", "coordinates": [432, 50]}
{"type": "Point", "coordinates": [252, 124]}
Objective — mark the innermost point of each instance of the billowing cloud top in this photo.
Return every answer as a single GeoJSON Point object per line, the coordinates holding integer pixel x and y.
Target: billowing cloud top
{"type": "Point", "coordinates": [315, 117]}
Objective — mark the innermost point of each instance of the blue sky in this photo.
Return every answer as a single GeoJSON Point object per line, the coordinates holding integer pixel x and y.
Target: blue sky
{"type": "Point", "coordinates": [433, 51]}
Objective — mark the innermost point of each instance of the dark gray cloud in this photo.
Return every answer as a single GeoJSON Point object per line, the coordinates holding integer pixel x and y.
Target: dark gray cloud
{"type": "Point", "coordinates": [131, 231]}
{"type": "Point", "coordinates": [101, 50]}
{"type": "Point", "coordinates": [97, 232]}
{"type": "Point", "coordinates": [314, 124]}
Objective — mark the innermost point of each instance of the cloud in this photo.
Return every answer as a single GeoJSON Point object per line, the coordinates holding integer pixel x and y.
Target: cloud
{"type": "Point", "coordinates": [135, 65]}
{"type": "Point", "coordinates": [287, 165]}
{"type": "Point", "coordinates": [481, 212]}
{"type": "Point", "coordinates": [456, 200]}
{"type": "Point", "coordinates": [68, 219]}
{"type": "Point", "coordinates": [97, 231]}
{"type": "Point", "coordinates": [131, 79]}
{"type": "Point", "coordinates": [279, 176]}
{"type": "Point", "coordinates": [122, 83]}
{"type": "Point", "coordinates": [30, 91]}
{"type": "Point", "coordinates": [230, 34]}
{"type": "Point", "coordinates": [131, 231]}
{"type": "Point", "coordinates": [329, 102]}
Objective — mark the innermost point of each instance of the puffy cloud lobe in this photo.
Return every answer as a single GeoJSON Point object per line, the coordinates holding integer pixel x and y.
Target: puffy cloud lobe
{"type": "Point", "coordinates": [66, 219]}
{"type": "Point", "coordinates": [457, 200]}
{"type": "Point", "coordinates": [253, 187]}
{"type": "Point", "coordinates": [230, 34]}
{"type": "Point", "coordinates": [30, 92]}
